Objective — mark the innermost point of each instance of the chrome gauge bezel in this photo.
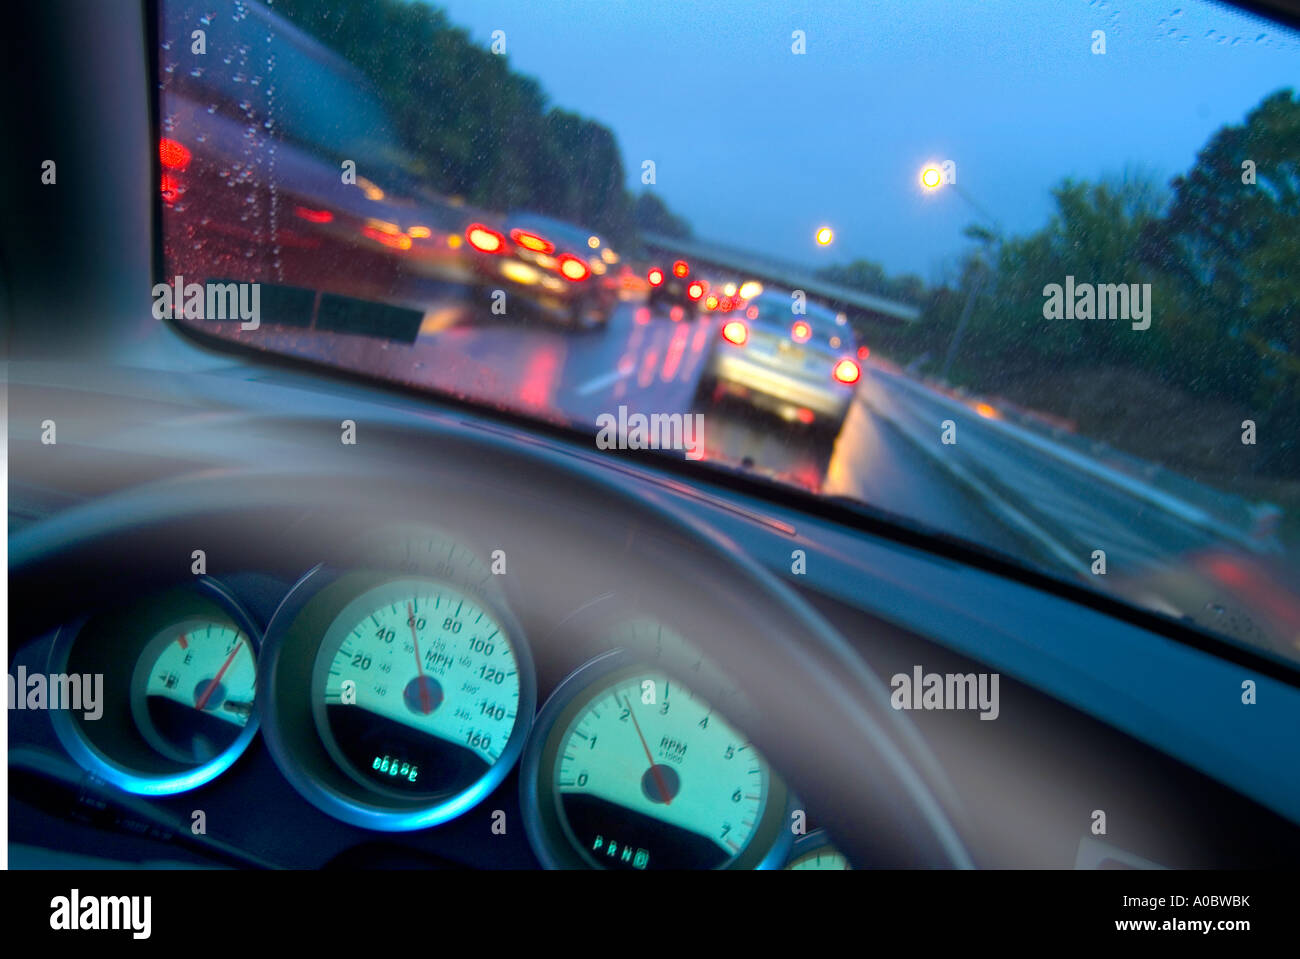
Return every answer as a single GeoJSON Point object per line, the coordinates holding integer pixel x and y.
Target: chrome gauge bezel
{"type": "Point", "coordinates": [548, 833]}
{"type": "Point", "coordinates": [292, 649]}
{"type": "Point", "coordinates": [137, 767]}
{"type": "Point", "coordinates": [807, 845]}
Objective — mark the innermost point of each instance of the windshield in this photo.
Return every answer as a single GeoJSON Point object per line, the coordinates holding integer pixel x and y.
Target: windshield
{"type": "Point", "coordinates": [1021, 275]}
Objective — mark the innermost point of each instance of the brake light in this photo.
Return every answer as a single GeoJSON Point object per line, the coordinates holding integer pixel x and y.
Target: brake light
{"type": "Point", "coordinates": [656, 277]}
{"type": "Point", "coordinates": [531, 241]}
{"type": "Point", "coordinates": [846, 371]}
{"type": "Point", "coordinates": [681, 269]}
{"type": "Point", "coordinates": [482, 238]}
{"type": "Point", "coordinates": [735, 332]}
{"type": "Point", "coordinates": [800, 332]}
{"type": "Point", "coordinates": [313, 216]}
{"type": "Point", "coordinates": [726, 305]}
{"type": "Point", "coordinates": [397, 241]}
{"type": "Point", "coordinates": [711, 303]}
{"type": "Point", "coordinates": [174, 154]}
{"type": "Point", "coordinates": [695, 290]}
{"type": "Point", "coordinates": [171, 189]}
{"type": "Point", "coordinates": [752, 312]}
{"type": "Point", "coordinates": [573, 268]}
{"type": "Point", "coordinates": [863, 352]}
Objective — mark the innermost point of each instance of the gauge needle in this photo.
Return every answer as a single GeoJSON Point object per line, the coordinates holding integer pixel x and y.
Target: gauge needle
{"type": "Point", "coordinates": [654, 769]}
{"type": "Point", "coordinates": [203, 700]}
{"type": "Point", "coordinates": [419, 670]}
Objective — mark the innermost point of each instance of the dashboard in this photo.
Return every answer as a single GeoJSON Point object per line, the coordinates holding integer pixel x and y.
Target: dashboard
{"type": "Point", "coordinates": [321, 655]}
{"type": "Point", "coordinates": [401, 695]}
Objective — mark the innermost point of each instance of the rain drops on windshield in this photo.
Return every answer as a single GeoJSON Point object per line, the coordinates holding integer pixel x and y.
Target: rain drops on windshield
{"type": "Point", "coordinates": [965, 278]}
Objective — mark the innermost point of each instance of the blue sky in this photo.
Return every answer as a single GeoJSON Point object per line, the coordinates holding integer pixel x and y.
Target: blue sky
{"type": "Point", "coordinates": [757, 146]}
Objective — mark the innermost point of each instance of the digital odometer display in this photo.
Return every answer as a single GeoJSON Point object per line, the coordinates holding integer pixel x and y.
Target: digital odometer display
{"type": "Point", "coordinates": [643, 774]}
{"type": "Point", "coordinates": [417, 688]}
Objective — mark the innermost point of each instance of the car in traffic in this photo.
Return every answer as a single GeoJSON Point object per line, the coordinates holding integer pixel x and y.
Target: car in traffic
{"type": "Point", "coordinates": [675, 288]}
{"type": "Point", "coordinates": [339, 210]}
{"type": "Point", "coordinates": [556, 268]}
{"type": "Point", "coordinates": [801, 365]}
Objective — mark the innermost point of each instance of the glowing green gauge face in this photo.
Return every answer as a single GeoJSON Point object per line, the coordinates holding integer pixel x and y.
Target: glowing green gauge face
{"type": "Point", "coordinates": [649, 777]}
{"type": "Point", "coordinates": [417, 689]}
{"type": "Point", "coordinates": [192, 692]}
{"type": "Point", "coordinates": [823, 857]}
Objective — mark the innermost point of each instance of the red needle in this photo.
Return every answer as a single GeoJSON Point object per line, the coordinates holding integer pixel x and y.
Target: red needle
{"type": "Point", "coordinates": [419, 670]}
{"type": "Point", "coordinates": [203, 700]}
{"type": "Point", "coordinates": [659, 780]}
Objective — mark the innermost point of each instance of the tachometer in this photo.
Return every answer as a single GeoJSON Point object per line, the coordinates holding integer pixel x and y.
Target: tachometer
{"type": "Point", "coordinates": [637, 771]}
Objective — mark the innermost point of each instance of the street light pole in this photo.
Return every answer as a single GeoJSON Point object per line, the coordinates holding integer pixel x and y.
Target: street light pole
{"type": "Point", "coordinates": [966, 311]}
{"type": "Point", "coordinates": [990, 235]}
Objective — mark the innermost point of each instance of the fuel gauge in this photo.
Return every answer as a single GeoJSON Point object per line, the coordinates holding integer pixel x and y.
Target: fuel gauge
{"type": "Point", "coordinates": [173, 674]}
{"type": "Point", "coordinates": [192, 692]}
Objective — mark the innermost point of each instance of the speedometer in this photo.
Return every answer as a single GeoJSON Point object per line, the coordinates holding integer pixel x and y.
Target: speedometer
{"type": "Point", "coordinates": [417, 689]}
{"type": "Point", "coordinates": [397, 695]}
{"type": "Point", "coordinates": [638, 772]}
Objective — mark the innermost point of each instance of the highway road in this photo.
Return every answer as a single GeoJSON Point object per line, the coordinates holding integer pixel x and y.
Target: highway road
{"type": "Point", "coordinates": [1000, 485]}
{"type": "Point", "coordinates": [651, 363]}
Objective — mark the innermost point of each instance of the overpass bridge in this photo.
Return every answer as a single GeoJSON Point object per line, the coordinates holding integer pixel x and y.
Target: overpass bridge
{"type": "Point", "coordinates": [753, 266]}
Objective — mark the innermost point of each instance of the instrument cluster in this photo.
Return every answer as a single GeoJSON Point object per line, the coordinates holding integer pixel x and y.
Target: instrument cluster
{"type": "Point", "coordinates": [400, 692]}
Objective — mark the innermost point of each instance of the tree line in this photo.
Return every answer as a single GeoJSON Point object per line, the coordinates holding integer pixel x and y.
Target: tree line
{"type": "Point", "coordinates": [1220, 246]}
{"type": "Point", "coordinates": [474, 127]}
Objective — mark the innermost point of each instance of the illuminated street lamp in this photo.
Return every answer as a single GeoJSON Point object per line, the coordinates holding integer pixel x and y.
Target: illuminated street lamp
{"type": "Point", "coordinates": [932, 178]}
{"type": "Point", "coordinates": [825, 236]}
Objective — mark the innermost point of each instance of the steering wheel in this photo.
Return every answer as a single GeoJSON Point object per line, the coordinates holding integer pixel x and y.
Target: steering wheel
{"type": "Point", "coordinates": [819, 714]}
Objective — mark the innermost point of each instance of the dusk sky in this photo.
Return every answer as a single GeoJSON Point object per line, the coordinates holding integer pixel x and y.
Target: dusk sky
{"type": "Point", "coordinates": [757, 147]}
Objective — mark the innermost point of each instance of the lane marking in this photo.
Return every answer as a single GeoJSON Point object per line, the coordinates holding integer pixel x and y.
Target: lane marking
{"type": "Point", "coordinates": [603, 381]}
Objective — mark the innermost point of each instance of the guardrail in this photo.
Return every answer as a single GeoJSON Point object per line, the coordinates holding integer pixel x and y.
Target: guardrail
{"type": "Point", "coordinates": [1057, 489]}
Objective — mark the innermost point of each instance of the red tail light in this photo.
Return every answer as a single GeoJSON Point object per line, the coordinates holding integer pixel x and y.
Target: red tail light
{"type": "Point", "coordinates": [695, 290]}
{"type": "Point", "coordinates": [656, 277]}
{"type": "Point", "coordinates": [171, 189]}
{"type": "Point", "coordinates": [573, 268]}
{"type": "Point", "coordinates": [752, 312]}
{"type": "Point", "coordinates": [313, 216]}
{"type": "Point", "coordinates": [801, 332]}
{"type": "Point", "coordinates": [863, 352]}
{"type": "Point", "coordinates": [485, 239]}
{"type": "Point", "coordinates": [531, 241]}
{"type": "Point", "coordinates": [681, 269]}
{"type": "Point", "coordinates": [726, 305]}
{"type": "Point", "coordinates": [174, 154]}
{"type": "Point", "coordinates": [846, 371]}
{"type": "Point", "coordinates": [735, 332]}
